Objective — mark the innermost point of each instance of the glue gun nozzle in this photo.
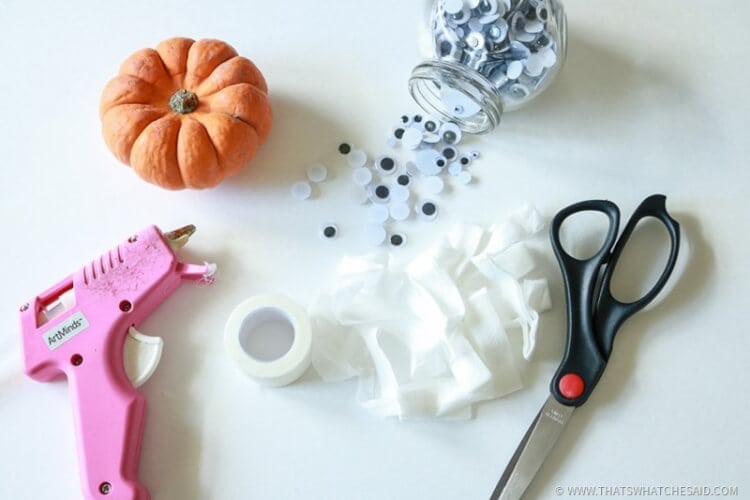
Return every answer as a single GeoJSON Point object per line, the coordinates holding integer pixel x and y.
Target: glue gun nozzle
{"type": "Point", "coordinates": [179, 237]}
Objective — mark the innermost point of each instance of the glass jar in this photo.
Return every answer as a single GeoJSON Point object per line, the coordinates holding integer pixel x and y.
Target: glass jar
{"type": "Point", "coordinates": [488, 56]}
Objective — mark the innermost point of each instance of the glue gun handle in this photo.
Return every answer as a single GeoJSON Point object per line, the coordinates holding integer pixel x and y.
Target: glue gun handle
{"type": "Point", "coordinates": [109, 418]}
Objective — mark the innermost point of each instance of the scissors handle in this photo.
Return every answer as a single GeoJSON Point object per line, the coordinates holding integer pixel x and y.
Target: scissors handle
{"type": "Point", "coordinates": [593, 320]}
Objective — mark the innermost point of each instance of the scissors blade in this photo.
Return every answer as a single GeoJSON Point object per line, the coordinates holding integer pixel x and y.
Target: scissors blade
{"type": "Point", "coordinates": [533, 450]}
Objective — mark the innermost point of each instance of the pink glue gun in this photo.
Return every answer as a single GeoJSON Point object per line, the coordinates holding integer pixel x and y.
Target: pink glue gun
{"type": "Point", "coordinates": [84, 328]}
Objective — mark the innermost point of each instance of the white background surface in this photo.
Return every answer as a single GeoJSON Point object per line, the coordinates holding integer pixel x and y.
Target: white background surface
{"type": "Point", "coordinates": [653, 99]}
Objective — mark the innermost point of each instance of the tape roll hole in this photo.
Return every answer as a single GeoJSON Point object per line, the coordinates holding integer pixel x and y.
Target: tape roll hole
{"type": "Point", "coordinates": [267, 335]}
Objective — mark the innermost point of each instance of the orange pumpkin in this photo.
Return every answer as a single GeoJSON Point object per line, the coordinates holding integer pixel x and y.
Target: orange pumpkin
{"type": "Point", "coordinates": [186, 114]}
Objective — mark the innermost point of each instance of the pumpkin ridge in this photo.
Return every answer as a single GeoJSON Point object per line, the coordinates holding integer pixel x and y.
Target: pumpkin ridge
{"type": "Point", "coordinates": [230, 86]}
{"type": "Point", "coordinates": [195, 117]}
{"type": "Point", "coordinates": [123, 107]}
{"type": "Point", "coordinates": [261, 84]}
{"type": "Point", "coordinates": [210, 141]}
{"type": "Point", "coordinates": [140, 132]}
{"type": "Point", "coordinates": [196, 80]}
{"type": "Point", "coordinates": [112, 95]}
{"type": "Point", "coordinates": [177, 155]}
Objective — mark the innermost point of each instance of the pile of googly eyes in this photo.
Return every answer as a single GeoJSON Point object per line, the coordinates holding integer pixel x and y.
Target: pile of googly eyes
{"type": "Point", "coordinates": [386, 183]}
{"type": "Point", "coordinates": [511, 42]}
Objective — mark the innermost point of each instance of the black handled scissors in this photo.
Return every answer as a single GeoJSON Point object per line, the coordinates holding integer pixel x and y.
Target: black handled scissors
{"type": "Point", "coordinates": [594, 316]}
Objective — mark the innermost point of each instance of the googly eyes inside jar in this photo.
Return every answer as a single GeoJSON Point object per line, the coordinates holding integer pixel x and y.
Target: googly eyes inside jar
{"type": "Point", "coordinates": [488, 57]}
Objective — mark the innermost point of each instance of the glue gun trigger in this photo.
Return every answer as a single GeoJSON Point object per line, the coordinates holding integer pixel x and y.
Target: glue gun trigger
{"type": "Point", "coordinates": [141, 356]}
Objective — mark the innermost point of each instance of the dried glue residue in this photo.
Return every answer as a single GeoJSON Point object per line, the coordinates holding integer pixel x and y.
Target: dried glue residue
{"type": "Point", "coordinates": [431, 338]}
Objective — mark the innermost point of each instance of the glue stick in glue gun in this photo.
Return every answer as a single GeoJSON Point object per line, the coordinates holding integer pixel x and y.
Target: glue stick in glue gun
{"type": "Point", "coordinates": [84, 328]}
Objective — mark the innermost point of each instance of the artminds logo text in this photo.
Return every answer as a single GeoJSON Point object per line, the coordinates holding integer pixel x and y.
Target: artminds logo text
{"type": "Point", "coordinates": [58, 335]}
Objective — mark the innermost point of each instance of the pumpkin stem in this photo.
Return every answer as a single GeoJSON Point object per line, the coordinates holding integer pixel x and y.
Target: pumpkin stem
{"type": "Point", "coordinates": [183, 102]}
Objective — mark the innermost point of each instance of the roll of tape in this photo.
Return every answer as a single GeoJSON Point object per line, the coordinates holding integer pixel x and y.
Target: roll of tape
{"type": "Point", "coordinates": [256, 312]}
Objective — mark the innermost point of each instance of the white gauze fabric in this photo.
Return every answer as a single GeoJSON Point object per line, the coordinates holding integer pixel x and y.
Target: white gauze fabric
{"type": "Point", "coordinates": [431, 338]}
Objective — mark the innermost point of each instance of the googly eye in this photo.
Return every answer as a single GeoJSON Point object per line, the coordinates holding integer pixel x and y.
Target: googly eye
{"type": "Point", "coordinates": [453, 7]}
{"type": "Point", "coordinates": [465, 178]}
{"type": "Point", "coordinates": [450, 153]}
{"type": "Point", "coordinates": [417, 118]}
{"type": "Point", "coordinates": [378, 214]}
{"type": "Point", "coordinates": [345, 148]}
{"type": "Point", "coordinates": [400, 193]}
{"type": "Point", "coordinates": [375, 235]}
{"type": "Point", "coordinates": [434, 185]}
{"type": "Point", "coordinates": [474, 155]}
{"type": "Point", "coordinates": [362, 176]}
{"type": "Point", "coordinates": [519, 91]}
{"type": "Point", "coordinates": [397, 239]}
{"type": "Point", "coordinates": [475, 24]}
{"type": "Point", "coordinates": [430, 138]}
{"type": "Point", "coordinates": [534, 65]}
{"type": "Point", "coordinates": [398, 133]}
{"type": "Point", "coordinates": [488, 7]}
{"type": "Point", "coordinates": [400, 211]}
{"type": "Point", "coordinates": [549, 57]}
{"type": "Point", "coordinates": [441, 162]}
{"type": "Point", "coordinates": [403, 180]}
{"type": "Point", "coordinates": [301, 191]}
{"type": "Point", "coordinates": [498, 31]}
{"type": "Point", "coordinates": [317, 173]}
{"type": "Point", "coordinates": [329, 231]}
{"type": "Point", "coordinates": [431, 125]}
{"type": "Point", "coordinates": [451, 134]}
{"type": "Point", "coordinates": [386, 165]}
{"type": "Point", "coordinates": [462, 17]}
{"type": "Point", "coordinates": [515, 68]}
{"type": "Point", "coordinates": [412, 138]}
{"type": "Point", "coordinates": [380, 193]}
{"type": "Point", "coordinates": [357, 158]}
{"type": "Point", "coordinates": [360, 196]}
{"type": "Point", "coordinates": [476, 40]}
{"type": "Point", "coordinates": [465, 160]}
{"type": "Point", "coordinates": [542, 13]}
{"type": "Point", "coordinates": [406, 120]}
{"type": "Point", "coordinates": [534, 26]}
{"type": "Point", "coordinates": [427, 210]}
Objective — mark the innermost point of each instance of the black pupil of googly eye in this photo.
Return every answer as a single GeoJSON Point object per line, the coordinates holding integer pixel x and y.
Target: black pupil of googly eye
{"type": "Point", "coordinates": [329, 231]}
{"type": "Point", "coordinates": [405, 119]}
{"type": "Point", "coordinates": [387, 164]}
{"type": "Point", "coordinates": [449, 137]}
{"type": "Point", "coordinates": [464, 161]}
{"type": "Point", "coordinates": [429, 208]}
{"type": "Point", "coordinates": [449, 153]}
{"type": "Point", "coordinates": [397, 240]}
{"type": "Point", "coordinates": [445, 48]}
{"type": "Point", "coordinates": [430, 126]}
{"type": "Point", "coordinates": [344, 148]}
{"type": "Point", "coordinates": [418, 118]}
{"type": "Point", "coordinates": [398, 133]}
{"type": "Point", "coordinates": [382, 192]}
{"type": "Point", "coordinates": [440, 163]}
{"type": "Point", "coordinates": [403, 180]}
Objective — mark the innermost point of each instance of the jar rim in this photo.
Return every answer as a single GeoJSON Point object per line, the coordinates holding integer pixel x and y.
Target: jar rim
{"type": "Point", "coordinates": [431, 77]}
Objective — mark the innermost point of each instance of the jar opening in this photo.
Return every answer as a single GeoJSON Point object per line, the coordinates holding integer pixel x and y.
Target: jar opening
{"type": "Point", "coordinates": [452, 92]}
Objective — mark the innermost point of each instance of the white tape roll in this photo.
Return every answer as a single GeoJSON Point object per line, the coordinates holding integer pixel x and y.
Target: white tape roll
{"type": "Point", "coordinates": [256, 312]}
